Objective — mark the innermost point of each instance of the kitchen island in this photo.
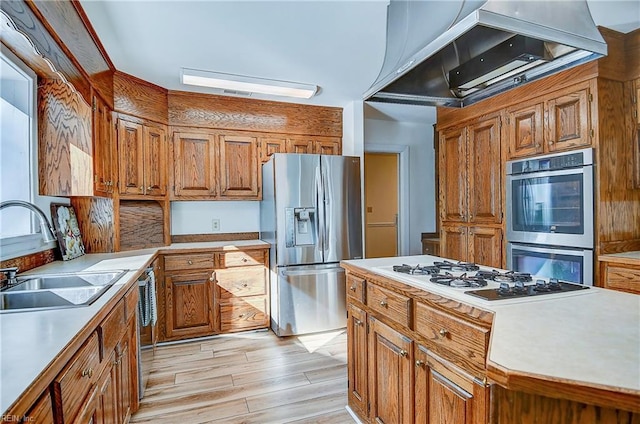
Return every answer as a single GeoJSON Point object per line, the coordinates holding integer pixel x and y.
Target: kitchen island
{"type": "Point", "coordinates": [559, 358]}
{"type": "Point", "coordinates": [38, 349]}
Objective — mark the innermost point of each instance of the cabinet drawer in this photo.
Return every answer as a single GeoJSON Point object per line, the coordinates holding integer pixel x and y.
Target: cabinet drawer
{"type": "Point", "coordinates": [243, 313]}
{"type": "Point", "coordinates": [355, 287]}
{"type": "Point", "coordinates": [73, 384]}
{"type": "Point", "coordinates": [131, 302]}
{"type": "Point", "coordinates": [388, 303]}
{"type": "Point", "coordinates": [241, 282]}
{"type": "Point", "coordinates": [187, 262]}
{"type": "Point", "coordinates": [453, 335]}
{"type": "Point", "coordinates": [240, 258]}
{"type": "Point", "coordinates": [622, 278]}
{"type": "Point", "coordinates": [112, 328]}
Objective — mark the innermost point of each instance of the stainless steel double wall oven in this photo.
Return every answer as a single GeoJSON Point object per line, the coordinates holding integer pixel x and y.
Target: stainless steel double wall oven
{"type": "Point", "coordinates": [550, 209]}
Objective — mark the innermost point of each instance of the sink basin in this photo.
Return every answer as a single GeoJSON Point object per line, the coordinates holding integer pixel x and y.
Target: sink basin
{"type": "Point", "coordinates": [55, 291]}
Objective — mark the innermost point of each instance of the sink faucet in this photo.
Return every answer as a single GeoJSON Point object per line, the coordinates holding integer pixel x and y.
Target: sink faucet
{"type": "Point", "coordinates": [45, 228]}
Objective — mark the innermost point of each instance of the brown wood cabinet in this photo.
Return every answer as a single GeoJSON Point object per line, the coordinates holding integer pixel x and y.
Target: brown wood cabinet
{"type": "Point", "coordinates": [423, 365]}
{"type": "Point", "coordinates": [471, 190]}
{"type": "Point", "coordinates": [189, 304]}
{"type": "Point", "coordinates": [103, 148]}
{"type": "Point", "coordinates": [239, 167]}
{"type": "Point", "coordinates": [444, 393]}
{"type": "Point", "coordinates": [270, 145]}
{"type": "Point", "coordinates": [482, 245]}
{"type": "Point", "coordinates": [142, 154]}
{"type": "Point", "coordinates": [317, 145]}
{"type": "Point", "coordinates": [195, 165]}
{"type": "Point", "coordinates": [357, 359]}
{"type": "Point", "coordinates": [556, 122]}
{"type": "Point", "coordinates": [619, 273]}
{"type": "Point", "coordinates": [242, 289]}
{"type": "Point", "coordinates": [42, 410]}
{"type": "Point", "coordinates": [390, 373]}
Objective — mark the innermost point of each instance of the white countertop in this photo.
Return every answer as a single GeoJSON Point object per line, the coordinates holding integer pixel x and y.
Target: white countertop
{"type": "Point", "coordinates": [30, 341]}
{"type": "Point", "coordinates": [591, 337]}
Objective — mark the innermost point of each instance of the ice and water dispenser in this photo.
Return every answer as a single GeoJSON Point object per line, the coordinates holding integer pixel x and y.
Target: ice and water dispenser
{"type": "Point", "coordinates": [300, 226]}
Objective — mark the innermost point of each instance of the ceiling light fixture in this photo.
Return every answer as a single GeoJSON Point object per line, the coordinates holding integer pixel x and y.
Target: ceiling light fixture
{"type": "Point", "coordinates": [247, 84]}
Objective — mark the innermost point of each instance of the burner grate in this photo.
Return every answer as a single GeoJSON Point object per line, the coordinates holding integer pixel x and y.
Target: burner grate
{"type": "Point", "coordinates": [456, 266]}
{"type": "Point", "coordinates": [416, 270]}
{"type": "Point", "coordinates": [463, 280]}
{"type": "Point", "coordinates": [507, 277]}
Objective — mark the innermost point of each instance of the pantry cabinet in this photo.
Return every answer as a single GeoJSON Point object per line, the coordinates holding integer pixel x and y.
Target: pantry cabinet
{"type": "Point", "coordinates": [142, 153]}
{"type": "Point", "coordinates": [556, 122]}
{"type": "Point", "coordinates": [481, 245]}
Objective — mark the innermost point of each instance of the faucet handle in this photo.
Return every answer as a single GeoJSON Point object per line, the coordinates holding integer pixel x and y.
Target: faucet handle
{"type": "Point", "coordinates": [10, 272]}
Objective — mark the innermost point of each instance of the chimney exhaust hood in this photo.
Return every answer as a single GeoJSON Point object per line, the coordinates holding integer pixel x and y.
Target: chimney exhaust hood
{"type": "Point", "coordinates": [456, 53]}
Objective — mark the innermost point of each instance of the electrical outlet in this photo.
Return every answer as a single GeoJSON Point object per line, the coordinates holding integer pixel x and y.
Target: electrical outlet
{"type": "Point", "coordinates": [215, 224]}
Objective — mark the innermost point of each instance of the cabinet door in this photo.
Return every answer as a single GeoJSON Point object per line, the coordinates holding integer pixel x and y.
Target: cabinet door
{"type": "Point", "coordinates": [569, 123]}
{"type": "Point", "coordinates": [485, 172]}
{"type": "Point", "coordinates": [155, 161]}
{"type": "Point", "coordinates": [453, 242]}
{"type": "Point", "coordinates": [130, 155]}
{"type": "Point", "coordinates": [271, 145]}
{"type": "Point", "coordinates": [238, 166]}
{"type": "Point", "coordinates": [357, 359]}
{"type": "Point", "coordinates": [328, 146]}
{"type": "Point", "coordinates": [453, 174]}
{"type": "Point", "coordinates": [194, 165]}
{"type": "Point", "coordinates": [300, 145]}
{"type": "Point", "coordinates": [102, 148]}
{"type": "Point", "coordinates": [124, 374]}
{"type": "Point", "coordinates": [390, 370]}
{"type": "Point", "coordinates": [485, 246]}
{"type": "Point", "coordinates": [189, 304]}
{"type": "Point", "coordinates": [108, 388]}
{"type": "Point", "coordinates": [445, 394]}
{"type": "Point", "coordinates": [42, 410]}
{"type": "Point", "coordinates": [526, 134]}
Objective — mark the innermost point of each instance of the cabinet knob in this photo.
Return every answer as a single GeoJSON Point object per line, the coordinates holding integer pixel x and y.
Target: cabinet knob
{"type": "Point", "coordinates": [419, 363]}
{"type": "Point", "coordinates": [245, 285]}
{"type": "Point", "coordinates": [404, 353]}
{"type": "Point", "coordinates": [149, 188]}
{"type": "Point", "coordinates": [383, 303]}
{"type": "Point", "coordinates": [352, 288]}
{"type": "Point", "coordinates": [190, 262]}
{"type": "Point", "coordinates": [87, 372]}
{"type": "Point", "coordinates": [240, 316]}
{"type": "Point", "coordinates": [213, 276]}
{"type": "Point", "coordinates": [550, 142]}
{"type": "Point", "coordinates": [141, 188]}
{"type": "Point", "coordinates": [443, 332]}
{"type": "Point", "coordinates": [358, 322]}
{"type": "Point", "coordinates": [245, 260]}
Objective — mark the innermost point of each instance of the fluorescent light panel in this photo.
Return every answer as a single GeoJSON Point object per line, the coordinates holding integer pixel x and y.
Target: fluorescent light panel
{"type": "Point", "coordinates": [248, 84]}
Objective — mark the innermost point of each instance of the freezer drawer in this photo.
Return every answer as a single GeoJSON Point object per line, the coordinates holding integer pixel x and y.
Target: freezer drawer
{"type": "Point", "coordinates": [308, 299]}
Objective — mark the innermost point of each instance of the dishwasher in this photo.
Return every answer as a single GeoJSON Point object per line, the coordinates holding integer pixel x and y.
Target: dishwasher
{"type": "Point", "coordinates": [147, 326]}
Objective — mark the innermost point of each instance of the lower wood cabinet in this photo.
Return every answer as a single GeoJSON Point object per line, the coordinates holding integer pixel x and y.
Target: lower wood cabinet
{"type": "Point", "coordinates": [41, 411]}
{"type": "Point", "coordinates": [189, 304]}
{"type": "Point", "coordinates": [620, 276]}
{"type": "Point", "coordinates": [390, 372]}
{"type": "Point", "coordinates": [357, 359]}
{"type": "Point", "coordinates": [444, 393]}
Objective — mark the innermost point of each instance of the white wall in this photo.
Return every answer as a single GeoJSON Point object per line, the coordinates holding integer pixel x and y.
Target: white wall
{"type": "Point", "coordinates": [195, 217]}
{"type": "Point", "coordinates": [419, 138]}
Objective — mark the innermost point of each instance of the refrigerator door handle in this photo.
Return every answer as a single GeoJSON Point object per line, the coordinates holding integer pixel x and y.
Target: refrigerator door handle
{"type": "Point", "coordinates": [320, 221]}
{"type": "Point", "coordinates": [325, 207]}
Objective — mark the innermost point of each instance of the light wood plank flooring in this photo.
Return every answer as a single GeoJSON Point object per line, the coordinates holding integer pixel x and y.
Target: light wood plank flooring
{"type": "Point", "coordinates": [252, 377]}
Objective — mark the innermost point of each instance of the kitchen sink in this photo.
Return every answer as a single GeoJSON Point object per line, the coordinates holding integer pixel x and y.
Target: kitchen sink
{"type": "Point", "coordinates": [55, 291]}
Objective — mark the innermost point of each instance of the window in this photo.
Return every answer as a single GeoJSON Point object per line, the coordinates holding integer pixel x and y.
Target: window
{"type": "Point", "coordinates": [19, 228]}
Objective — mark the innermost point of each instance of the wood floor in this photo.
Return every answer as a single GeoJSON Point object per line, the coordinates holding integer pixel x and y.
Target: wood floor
{"type": "Point", "coordinates": [252, 377]}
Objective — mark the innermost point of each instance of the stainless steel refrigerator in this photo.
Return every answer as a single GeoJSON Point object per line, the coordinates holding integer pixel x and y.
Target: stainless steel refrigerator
{"type": "Point", "coordinates": [311, 214]}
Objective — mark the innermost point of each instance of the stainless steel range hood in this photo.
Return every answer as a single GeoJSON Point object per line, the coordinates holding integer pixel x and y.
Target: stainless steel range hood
{"type": "Point", "coordinates": [455, 53]}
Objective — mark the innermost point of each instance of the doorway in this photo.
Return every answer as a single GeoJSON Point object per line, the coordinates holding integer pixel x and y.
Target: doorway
{"type": "Point", "coordinates": [381, 191]}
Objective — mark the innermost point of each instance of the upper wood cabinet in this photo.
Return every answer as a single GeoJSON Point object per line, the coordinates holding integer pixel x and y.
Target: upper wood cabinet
{"type": "Point", "coordinates": [238, 166]}
{"type": "Point", "coordinates": [270, 145]}
{"type": "Point", "coordinates": [142, 152]}
{"type": "Point", "coordinates": [317, 145]}
{"type": "Point", "coordinates": [300, 145]}
{"type": "Point", "coordinates": [470, 189]}
{"type": "Point", "coordinates": [555, 122]}
{"type": "Point", "coordinates": [194, 164]}
{"type": "Point", "coordinates": [103, 148]}
{"type": "Point", "coordinates": [479, 244]}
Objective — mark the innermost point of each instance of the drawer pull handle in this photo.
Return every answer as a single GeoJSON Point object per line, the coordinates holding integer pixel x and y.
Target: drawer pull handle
{"type": "Point", "coordinates": [240, 316]}
{"type": "Point", "coordinates": [404, 353]}
{"type": "Point", "coordinates": [190, 262]}
{"type": "Point", "coordinates": [384, 303]}
{"type": "Point", "coordinates": [358, 322]}
{"type": "Point", "coordinates": [245, 285]}
{"type": "Point", "coordinates": [88, 372]}
{"type": "Point", "coordinates": [352, 288]}
{"type": "Point", "coordinates": [419, 363]}
{"type": "Point", "coordinates": [245, 260]}
{"type": "Point", "coordinates": [443, 332]}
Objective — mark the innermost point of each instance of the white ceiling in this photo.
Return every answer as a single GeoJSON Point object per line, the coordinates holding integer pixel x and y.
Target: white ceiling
{"type": "Point", "coordinates": [337, 45]}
